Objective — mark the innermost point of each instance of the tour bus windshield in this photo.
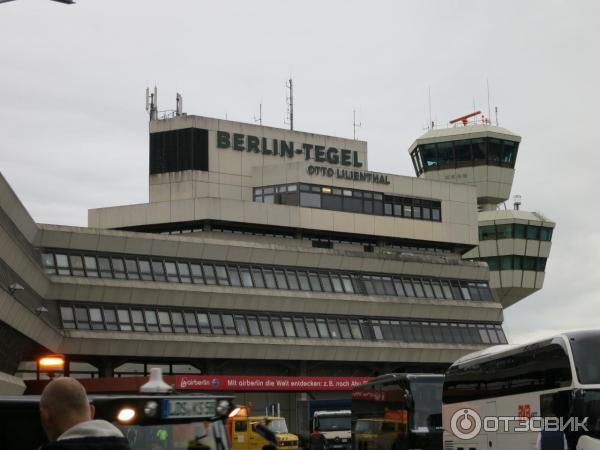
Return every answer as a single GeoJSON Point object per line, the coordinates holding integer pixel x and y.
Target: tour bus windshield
{"type": "Point", "coordinates": [332, 423]}
{"type": "Point", "coordinates": [589, 407]}
{"type": "Point", "coordinates": [278, 426]}
{"type": "Point", "coordinates": [427, 397]}
{"type": "Point", "coordinates": [585, 354]}
{"type": "Point", "coordinates": [176, 436]}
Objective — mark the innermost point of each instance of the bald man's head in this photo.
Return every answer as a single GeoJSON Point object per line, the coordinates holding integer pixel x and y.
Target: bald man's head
{"type": "Point", "coordinates": [64, 404]}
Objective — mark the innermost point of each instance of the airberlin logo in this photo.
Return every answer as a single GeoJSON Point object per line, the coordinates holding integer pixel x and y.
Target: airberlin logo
{"type": "Point", "coordinates": [466, 424]}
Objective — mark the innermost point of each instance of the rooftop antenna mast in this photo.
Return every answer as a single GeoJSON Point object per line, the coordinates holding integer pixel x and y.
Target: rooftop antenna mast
{"type": "Point", "coordinates": [259, 118]}
{"type": "Point", "coordinates": [354, 124]}
{"type": "Point", "coordinates": [290, 103]}
{"type": "Point", "coordinates": [488, 98]}
{"type": "Point", "coordinates": [152, 103]}
{"type": "Point", "coordinates": [178, 104]}
{"type": "Point", "coordinates": [496, 108]}
{"type": "Point", "coordinates": [430, 120]}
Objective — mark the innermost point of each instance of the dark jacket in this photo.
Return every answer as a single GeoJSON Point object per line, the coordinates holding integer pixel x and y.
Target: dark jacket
{"type": "Point", "coordinates": [91, 435]}
{"type": "Point", "coordinates": [318, 441]}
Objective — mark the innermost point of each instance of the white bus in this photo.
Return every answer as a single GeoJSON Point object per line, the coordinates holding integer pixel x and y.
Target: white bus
{"type": "Point", "coordinates": [553, 377]}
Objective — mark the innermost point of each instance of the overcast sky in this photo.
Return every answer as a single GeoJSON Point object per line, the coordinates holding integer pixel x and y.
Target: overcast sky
{"type": "Point", "coordinates": [73, 130]}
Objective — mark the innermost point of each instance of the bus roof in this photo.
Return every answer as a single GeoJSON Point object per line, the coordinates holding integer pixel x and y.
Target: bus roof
{"type": "Point", "coordinates": [495, 351]}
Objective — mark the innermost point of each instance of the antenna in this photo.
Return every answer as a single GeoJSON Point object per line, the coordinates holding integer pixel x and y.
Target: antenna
{"type": "Point", "coordinates": [259, 118]}
{"type": "Point", "coordinates": [152, 103]}
{"type": "Point", "coordinates": [290, 104]}
{"type": "Point", "coordinates": [354, 124]}
{"type": "Point", "coordinates": [488, 98]}
{"type": "Point", "coordinates": [430, 121]}
{"type": "Point", "coordinates": [496, 108]}
{"type": "Point", "coordinates": [178, 104]}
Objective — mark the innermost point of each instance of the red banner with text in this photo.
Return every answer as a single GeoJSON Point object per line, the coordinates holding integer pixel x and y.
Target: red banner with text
{"type": "Point", "coordinates": [266, 383]}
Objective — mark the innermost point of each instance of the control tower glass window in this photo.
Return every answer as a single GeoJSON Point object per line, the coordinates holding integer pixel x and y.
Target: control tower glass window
{"type": "Point", "coordinates": [465, 153]}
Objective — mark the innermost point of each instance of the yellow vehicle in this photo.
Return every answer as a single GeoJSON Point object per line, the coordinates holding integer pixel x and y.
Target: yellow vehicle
{"type": "Point", "coordinates": [378, 434]}
{"type": "Point", "coordinates": [245, 435]}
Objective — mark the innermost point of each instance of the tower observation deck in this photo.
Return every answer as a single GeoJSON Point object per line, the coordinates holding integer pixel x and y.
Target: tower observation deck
{"type": "Point", "coordinates": [514, 243]}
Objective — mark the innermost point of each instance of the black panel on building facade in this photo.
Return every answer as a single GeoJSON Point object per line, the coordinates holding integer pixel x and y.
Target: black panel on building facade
{"type": "Point", "coordinates": [177, 150]}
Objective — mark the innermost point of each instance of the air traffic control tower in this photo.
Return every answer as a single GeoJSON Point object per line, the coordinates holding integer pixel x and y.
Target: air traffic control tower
{"type": "Point", "coordinates": [514, 243]}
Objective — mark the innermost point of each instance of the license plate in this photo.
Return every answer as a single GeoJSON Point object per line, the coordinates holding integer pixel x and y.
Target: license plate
{"type": "Point", "coordinates": [190, 408]}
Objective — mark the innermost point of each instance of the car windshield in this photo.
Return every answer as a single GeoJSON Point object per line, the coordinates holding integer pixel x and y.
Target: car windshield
{"type": "Point", "coordinates": [366, 426]}
{"type": "Point", "coordinates": [333, 423]}
{"type": "Point", "coordinates": [278, 426]}
{"type": "Point", "coordinates": [180, 436]}
{"type": "Point", "coordinates": [585, 354]}
{"type": "Point", "coordinates": [427, 397]}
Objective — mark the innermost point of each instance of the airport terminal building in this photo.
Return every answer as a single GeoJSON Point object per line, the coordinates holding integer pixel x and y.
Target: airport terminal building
{"type": "Point", "coordinates": [261, 251]}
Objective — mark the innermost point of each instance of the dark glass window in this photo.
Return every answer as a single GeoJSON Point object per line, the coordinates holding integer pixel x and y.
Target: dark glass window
{"type": "Point", "coordinates": [429, 156]}
{"type": "Point", "coordinates": [118, 267]}
{"type": "Point", "coordinates": [234, 276]}
{"type": "Point", "coordinates": [151, 320]}
{"type": "Point", "coordinates": [314, 281]}
{"type": "Point", "coordinates": [145, 270]}
{"type": "Point", "coordinates": [137, 318]}
{"type": "Point", "coordinates": [190, 322]}
{"type": "Point", "coordinates": [91, 269]}
{"type": "Point", "coordinates": [171, 270]}
{"type": "Point", "coordinates": [292, 280]}
{"type": "Point", "coordinates": [462, 150]}
{"type": "Point", "coordinates": [184, 272]}
{"type": "Point", "coordinates": [197, 276]}
{"type": "Point", "coordinates": [281, 279]}
{"type": "Point", "coordinates": [68, 319]}
{"type": "Point", "coordinates": [246, 277]}
{"type": "Point", "coordinates": [177, 319]}
{"type": "Point", "coordinates": [76, 265]}
{"type": "Point", "coordinates": [62, 263]}
{"type": "Point", "coordinates": [133, 272]}
{"type": "Point", "coordinates": [159, 271]}
{"type": "Point", "coordinates": [265, 326]}
{"type": "Point", "coordinates": [96, 318]}
{"type": "Point", "coordinates": [533, 232]}
{"type": "Point", "coordinates": [209, 274]}
{"type": "Point", "coordinates": [519, 231]}
{"type": "Point", "coordinates": [257, 276]}
{"type": "Point", "coordinates": [164, 321]}
{"type": "Point", "coordinates": [215, 323]}
{"type": "Point", "coordinates": [300, 327]}
{"type": "Point", "coordinates": [311, 326]}
{"type": "Point", "coordinates": [104, 265]}
{"type": "Point", "coordinates": [310, 199]}
{"type": "Point", "coordinates": [222, 278]}
{"type": "Point", "coordinates": [269, 278]}
{"type": "Point", "coordinates": [240, 323]}
{"type": "Point", "coordinates": [494, 151]}
{"type": "Point", "coordinates": [445, 151]}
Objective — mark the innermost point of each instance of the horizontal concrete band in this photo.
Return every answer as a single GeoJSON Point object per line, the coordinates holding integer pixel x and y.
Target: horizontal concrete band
{"type": "Point", "coordinates": [179, 346]}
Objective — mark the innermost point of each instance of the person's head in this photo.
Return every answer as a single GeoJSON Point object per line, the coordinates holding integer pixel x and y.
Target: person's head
{"type": "Point", "coordinates": [64, 404]}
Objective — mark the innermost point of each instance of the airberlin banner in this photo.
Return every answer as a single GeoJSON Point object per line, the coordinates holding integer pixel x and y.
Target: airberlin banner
{"type": "Point", "coordinates": [266, 383]}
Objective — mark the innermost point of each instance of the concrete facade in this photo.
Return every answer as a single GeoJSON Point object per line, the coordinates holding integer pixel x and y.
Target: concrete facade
{"type": "Point", "coordinates": [340, 292]}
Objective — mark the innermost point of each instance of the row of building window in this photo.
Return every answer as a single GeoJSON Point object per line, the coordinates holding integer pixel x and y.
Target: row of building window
{"type": "Point", "coordinates": [515, 231]}
{"type": "Point", "coordinates": [349, 200]}
{"type": "Point", "coordinates": [515, 262]}
{"type": "Point", "coordinates": [226, 323]}
{"type": "Point", "coordinates": [464, 153]}
{"type": "Point", "coordinates": [269, 277]}
{"type": "Point", "coordinates": [289, 235]}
